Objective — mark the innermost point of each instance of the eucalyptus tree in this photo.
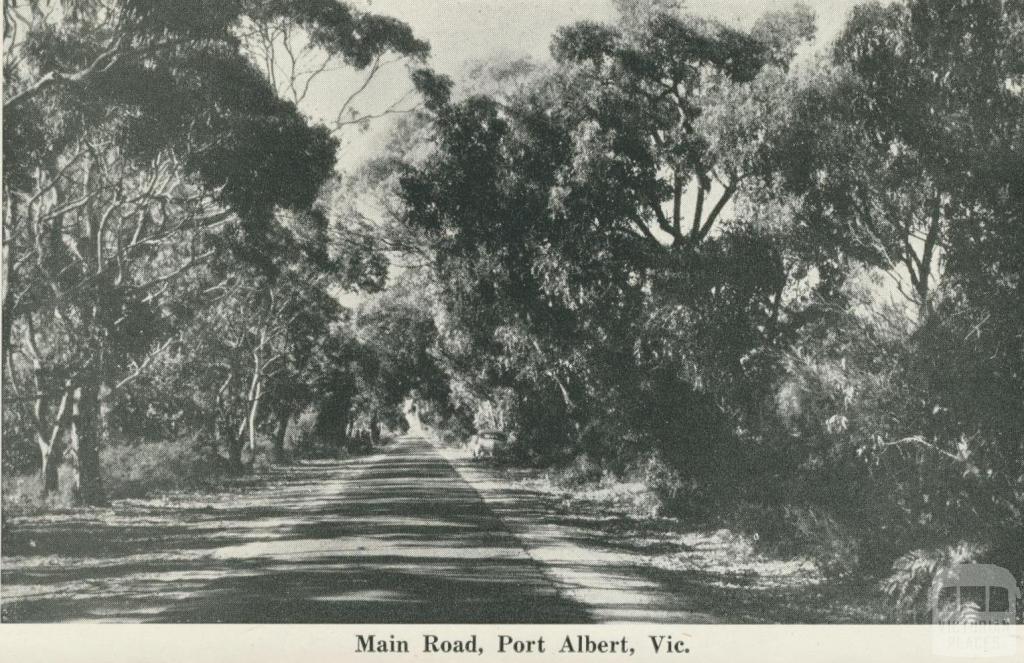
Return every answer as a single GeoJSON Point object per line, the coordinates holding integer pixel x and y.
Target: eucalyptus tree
{"type": "Point", "coordinates": [397, 334]}
{"type": "Point", "coordinates": [251, 357]}
{"type": "Point", "coordinates": [944, 81]}
{"type": "Point", "coordinates": [140, 143]}
{"type": "Point", "coordinates": [300, 52]}
{"type": "Point", "coordinates": [567, 214]}
{"type": "Point", "coordinates": [962, 119]}
{"type": "Point", "coordinates": [902, 151]}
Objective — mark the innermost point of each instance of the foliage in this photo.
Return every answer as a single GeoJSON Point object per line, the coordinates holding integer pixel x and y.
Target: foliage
{"type": "Point", "coordinates": [782, 294]}
{"type": "Point", "coordinates": [162, 228]}
{"type": "Point", "coordinates": [139, 469]}
{"type": "Point", "coordinates": [748, 344]}
{"type": "Point", "coordinates": [912, 575]}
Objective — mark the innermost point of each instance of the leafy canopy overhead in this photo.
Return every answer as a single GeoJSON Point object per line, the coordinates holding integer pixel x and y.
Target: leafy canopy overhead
{"type": "Point", "coordinates": [163, 74]}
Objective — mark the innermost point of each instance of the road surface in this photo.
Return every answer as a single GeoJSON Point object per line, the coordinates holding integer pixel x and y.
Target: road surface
{"type": "Point", "coordinates": [414, 533]}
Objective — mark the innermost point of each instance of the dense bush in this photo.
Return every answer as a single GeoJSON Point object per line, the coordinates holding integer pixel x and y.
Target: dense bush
{"type": "Point", "coordinates": [825, 352]}
{"type": "Point", "coordinates": [194, 291]}
{"type": "Point", "coordinates": [21, 494]}
{"type": "Point", "coordinates": [836, 367]}
{"type": "Point", "coordinates": [133, 470]}
{"type": "Point", "coordinates": [136, 470]}
{"type": "Point", "coordinates": [301, 439]}
{"type": "Point", "coordinates": [910, 581]}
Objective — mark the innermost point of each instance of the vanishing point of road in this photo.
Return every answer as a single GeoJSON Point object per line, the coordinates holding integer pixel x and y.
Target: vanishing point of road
{"type": "Point", "coordinates": [413, 533]}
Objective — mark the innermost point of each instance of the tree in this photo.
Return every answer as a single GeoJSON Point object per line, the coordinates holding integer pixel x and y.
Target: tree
{"type": "Point", "coordinates": [252, 358]}
{"type": "Point", "coordinates": [147, 145]}
{"type": "Point", "coordinates": [297, 50]}
{"type": "Point", "coordinates": [865, 194]}
{"type": "Point", "coordinates": [397, 333]}
{"type": "Point", "coordinates": [637, 96]}
{"type": "Point", "coordinates": [944, 78]}
{"type": "Point", "coordinates": [964, 110]}
{"type": "Point", "coordinates": [896, 157]}
{"type": "Point", "coordinates": [556, 214]}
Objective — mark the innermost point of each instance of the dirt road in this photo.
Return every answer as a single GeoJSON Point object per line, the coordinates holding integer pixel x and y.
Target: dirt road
{"type": "Point", "coordinates": [400, 536]}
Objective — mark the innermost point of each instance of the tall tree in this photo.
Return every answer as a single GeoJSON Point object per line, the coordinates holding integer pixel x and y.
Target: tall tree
{"type": "Point", "coordinates": [865, 196]}
{"type": "Point", "coordinates": [946, 80]}
{"type": "Point", "coordinates": [140, 142]}
{"type": "Point", "coordinates": [555, 211]}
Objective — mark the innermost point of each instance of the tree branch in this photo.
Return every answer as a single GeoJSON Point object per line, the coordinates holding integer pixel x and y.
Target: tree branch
{"type": "Point", "coordinates": [716, 210]}
{"type": "Point", "coordinates": [663, 222]}
{"type": "Point", "coordinates": [101, 63]}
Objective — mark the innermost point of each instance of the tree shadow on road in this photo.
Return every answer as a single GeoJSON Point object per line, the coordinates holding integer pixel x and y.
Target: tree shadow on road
{"type": "Point", "coordinates": [405, 540]}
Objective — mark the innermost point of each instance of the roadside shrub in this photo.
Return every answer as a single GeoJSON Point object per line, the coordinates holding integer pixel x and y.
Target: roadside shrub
{"type": "Point", "coordinates": [130, 470]}
{"type": "Point", "coordinates": [543, 428]}
{"type": "Point", "coordinates": [301, 438]}
{"type": "Point", "coordinates": [514, 454]}
{"type": "Point", "coordinates": [497, 411]}
{"type": "Point", "coordinates": [21, 494]}
{"type": "Point", "coordinates": [582, 470]}
{"type": "Point", "coordinates": [834, 547]}
{"type": "Point", "coordinates": [677, 494]}
{"type": "Point", "coordinates": [453, 430]}
{"type": "Point", "coordinates": [264, 462]}
{"type": "Point", "coordinates": [360, 442]}
{"type": "Point", "coordinates": [797, 530]}
{"type": "Point", "coordinates": [911, 578]}
{"type": "Point", "coordinates": [892, 442]}
{"type": "Point", "coordinates": [138, 469]}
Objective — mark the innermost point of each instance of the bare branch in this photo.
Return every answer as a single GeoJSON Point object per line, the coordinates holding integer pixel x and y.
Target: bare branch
{"type": "Point", "coordinates": [716, 210]}
{"type": "Point", "coordinates": [374, 68]}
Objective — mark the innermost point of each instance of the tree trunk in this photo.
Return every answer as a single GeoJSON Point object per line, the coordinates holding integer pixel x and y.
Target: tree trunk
{"type": "Point", "coordinates": [8, 319]}
{"type": "Point", "coordinates": [253, 400]}
{"type": "Point", "coordinates": [6, 291]}
{"type": "Point", "coordinates": [50, 472]}
{"type": "Point", "coordinates": [50, 442]}
{"type": "Point", "coordinates": [103, 408]}
{"type": "Point", "coordinates": [253, 414]}
{"type": "Point", "coordinates": [235, 444]}
{"type": "Point", "coordinates": [85, 441]}
{"type": "Point", "coordinates": [374, 428]}
{"type": "Point", "coordinates": [283, 416]}
{"type": "Point", "coordinates": [343, 432]}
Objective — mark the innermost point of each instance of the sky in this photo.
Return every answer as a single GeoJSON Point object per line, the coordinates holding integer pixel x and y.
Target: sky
{"type": "Point", "coordinates": [462, 29]}
{"type": "Point", "coordinates": [462, 32]}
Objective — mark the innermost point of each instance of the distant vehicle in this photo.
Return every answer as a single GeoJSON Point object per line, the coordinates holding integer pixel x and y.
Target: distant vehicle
{"type": "Point", "coordinates": [485, 442]}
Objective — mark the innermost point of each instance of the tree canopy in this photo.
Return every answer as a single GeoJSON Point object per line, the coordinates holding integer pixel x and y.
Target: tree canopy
{"type": "Point", "coordinates": [160, 195]}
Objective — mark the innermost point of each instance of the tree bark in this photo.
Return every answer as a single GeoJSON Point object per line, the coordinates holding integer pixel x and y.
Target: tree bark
{"type": "Point", "coordinates": [50, 472]}
{"type": "Point", "coordinates": [253, 397]}
{"type": "Point", "coordinates": [343, 432]}
{"type": "Point", "coordinates": [8, 251]}
{"type": "Point", "coordinates": [50, 443]}
{"type": "Point", "coordinates": [252, 418]}
{"type": "Point", "coordinates": [8, 306]}
{"type": "Point", "coordinates": [235, 444]}
{"type": "Point", "coordinates": [283, 417]}
{"type": "Point", "coordinates": [85, 441]}
{"type": "Point", "coordinates": [374, 428]}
